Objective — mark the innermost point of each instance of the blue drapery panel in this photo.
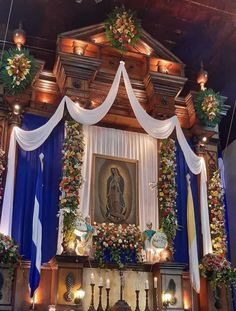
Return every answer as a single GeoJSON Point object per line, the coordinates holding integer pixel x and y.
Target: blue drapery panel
{"type": "Point", "coordinates": [181, 240]}
{"type": "Point", "coordinates": [25, 188]}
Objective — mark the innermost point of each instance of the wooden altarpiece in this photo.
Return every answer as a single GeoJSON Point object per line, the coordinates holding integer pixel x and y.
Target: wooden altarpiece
{"type": "Point", "coordinates": [84, 70]}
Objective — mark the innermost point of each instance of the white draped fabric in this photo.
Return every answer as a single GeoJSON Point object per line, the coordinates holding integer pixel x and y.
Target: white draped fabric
{"type": "Point", "coordinates": [30, 140]}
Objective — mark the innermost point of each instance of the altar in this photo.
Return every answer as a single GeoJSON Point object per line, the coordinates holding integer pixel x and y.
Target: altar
{"type": "Point", "coordinates": [124, 164]}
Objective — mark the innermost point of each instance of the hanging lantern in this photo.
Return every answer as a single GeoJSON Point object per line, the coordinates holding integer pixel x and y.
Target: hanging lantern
{"type": "Point", "coordinates": [19, 37]}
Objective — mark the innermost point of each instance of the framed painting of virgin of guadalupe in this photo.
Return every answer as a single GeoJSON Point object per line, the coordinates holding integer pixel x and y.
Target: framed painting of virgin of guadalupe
{"type": "Point", "coordinates": [114, 190]}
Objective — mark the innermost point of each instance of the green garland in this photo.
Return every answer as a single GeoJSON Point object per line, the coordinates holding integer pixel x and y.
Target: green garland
{"type": "Point", "coordinates": [217, 217]}
{"type": "Point", "coordinates": [167, 192]}
{"type": "Point", "coordinates": [17, 71]}
{"type": "Point", "coordinates": [122, 28]}
{"type": "Point", "coordinates": [72, 180]}
{"type": "Point", "coordinates": [208, 107]}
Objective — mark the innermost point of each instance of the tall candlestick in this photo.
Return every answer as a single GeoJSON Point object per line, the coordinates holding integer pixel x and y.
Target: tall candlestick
{"type": "Point", "coordinates": [91, 307]}
{"type": "Point", "coordinates": [107, 283]}
{"type": "Point", "coordinates": [155, 282]}
{"type": "Point", "coordinates": [146, 285]}
{"type": "Point", "coordinates": [146, 307]}
{"type": "Point", "coordinates": [92, 279]}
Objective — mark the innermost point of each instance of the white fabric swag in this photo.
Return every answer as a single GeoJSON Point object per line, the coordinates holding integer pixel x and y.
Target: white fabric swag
{"type": "Point", "coordinates": [31, 140]}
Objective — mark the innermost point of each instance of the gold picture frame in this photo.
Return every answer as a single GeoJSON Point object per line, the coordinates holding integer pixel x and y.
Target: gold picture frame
{"type": "Point", "coordinates": [114, 191]}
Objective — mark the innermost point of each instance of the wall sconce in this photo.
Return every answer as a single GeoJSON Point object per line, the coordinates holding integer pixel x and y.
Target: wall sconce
{"type": "Point", "coordinates": [79, 296]}
{"type": "Point", "coordinates": [19, 36]}
{"type": "Point", "coordinates": [79, 47]}
{"type": "Point", "coordinates": [163, 67]}
{"type": "Point", "coordinates": [202, 77]}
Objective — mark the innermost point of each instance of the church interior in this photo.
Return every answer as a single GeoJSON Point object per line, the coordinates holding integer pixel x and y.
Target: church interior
{"type": "Point", "coordinates": [117, 155]}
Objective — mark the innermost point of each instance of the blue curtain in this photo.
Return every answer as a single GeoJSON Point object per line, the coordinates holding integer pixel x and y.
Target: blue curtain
{"type": "Point", "coordinates": [25, 190]}
{"type": "Point", "coordinates": [181, 240]}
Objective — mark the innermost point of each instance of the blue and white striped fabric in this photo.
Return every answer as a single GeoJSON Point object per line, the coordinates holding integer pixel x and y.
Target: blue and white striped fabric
{"type": "Point", "coordinates": [36, 248]}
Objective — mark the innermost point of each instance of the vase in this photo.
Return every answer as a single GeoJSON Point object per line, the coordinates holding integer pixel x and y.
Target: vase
{"type": "Point", "coordinates": [217, 297]}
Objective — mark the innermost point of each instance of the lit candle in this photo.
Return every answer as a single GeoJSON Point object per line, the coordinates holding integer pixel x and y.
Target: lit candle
{"type": "Point", "coordinates": [146, 285]}
{"type": "Point", "coordinates": [108, 283]}
{"type": "Point", "coordinates": [155, 282]}
{"type": "Point", "coordinates": [92, 279]}
{"type": "Point", "coordinates": [100, 281]}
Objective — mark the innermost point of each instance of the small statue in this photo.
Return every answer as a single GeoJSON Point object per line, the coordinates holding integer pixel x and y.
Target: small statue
{"type": "Point", "coordinates": [147, 235]}
{"type": "Point", "coordinates": [84, 232]}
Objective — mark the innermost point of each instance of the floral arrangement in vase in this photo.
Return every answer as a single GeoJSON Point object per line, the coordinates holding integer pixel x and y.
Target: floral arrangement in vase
{"type": "Point", "coordinates": [167, 192]}
{"type": "Point", "coordinates": [216, 269]}
{"type": "Point", "coordinates": [72, 180]}
{"type": "Point", "coordinates": [18, 69]}
{"type": "Point", "coordinates": [217, 214]}
{"type": "Point", "coordinates": [122, 28]}
{"type": "Point", "coordinates": [119, 244]}
{"type": "Point", "coordinates": [9, 251]}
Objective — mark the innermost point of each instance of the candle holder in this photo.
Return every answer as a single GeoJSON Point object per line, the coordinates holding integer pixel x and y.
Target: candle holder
{"type": "Point", "coordinates": [91, 307]}
{"type": "Point", "coordinates": [100, 308]}
{"type": "Point", "coordinates": [137, 300]}
{"type": "Point", "coordinates": [146, 307]}
{"type": "Point", "coordinates": [108, 300]}
{"type": "Point", "coordinates": [155, 299]}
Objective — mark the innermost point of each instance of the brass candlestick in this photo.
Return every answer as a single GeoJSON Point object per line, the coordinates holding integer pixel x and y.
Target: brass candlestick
{"type": "Point", "coordinates": [147, 307]}
{"type": "Point", "coordinates": [108, 300]}
{"type": "Point", "coordinates": [137, 300]}
{"type": "Point", "coordinates": [100, 308]}
{"type": "Point", "coordinates": [155, 299]}
{"type": "Point", "coordinates": [91, 307]}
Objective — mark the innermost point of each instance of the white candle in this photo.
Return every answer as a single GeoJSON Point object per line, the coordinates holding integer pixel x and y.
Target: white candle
{"type": "Point", "coordinates": [92, 279]}
{"type": "Point", "coordinates": [146, 285]}
{"type": "Point", "coordinates": [100, 281]}
{"type": "Point", "coordinates": [155, 282]}
{"type": "Point", "coordinates": [108, 283]}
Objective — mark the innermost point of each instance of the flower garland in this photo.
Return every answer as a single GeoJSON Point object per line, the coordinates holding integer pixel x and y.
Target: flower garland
{"type": "Point", "coordinates": [119, 244]}
{"type": "Point", "coordinates": [73, 150]}
{"type": "Point", "coordinates": [216, 205]}
{"type": "Point", "coordinates": [18, 69]}
{"type": "Point", "coordinates": [216, 269]}
{"type": "Point", "coordinates": [122, 28]}
{"type": "Point", "coordinates": [167, 192]}
{"type": "Point", "coordinates": [208, 107]}
{"type": "Point", "coordinates": [2, 169]}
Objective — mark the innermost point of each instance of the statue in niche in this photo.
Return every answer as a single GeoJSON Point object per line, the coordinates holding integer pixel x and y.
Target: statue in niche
{"type": "Point", "coordinates": [84, 232]}
{"type": "Point", "coordinates": [115, 206]}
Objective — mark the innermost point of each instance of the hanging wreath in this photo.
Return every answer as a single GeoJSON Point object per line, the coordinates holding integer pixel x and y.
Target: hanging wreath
{"type": "Point", "coordinates": [18, 69]}
{"type": "Point", "coordinates": [122, 28]}
{"type": "Point", "coordinates": [208, 107]}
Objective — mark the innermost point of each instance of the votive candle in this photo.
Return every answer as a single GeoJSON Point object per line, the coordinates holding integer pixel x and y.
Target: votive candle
{"type": "Point", "coordinates": [100, 281]}
{"type": "Point", "coordinates": [155, 282]}
{"type": "Point", "coordinates": [92, 279]}
{"type": "Point", "coordinates": [108, 283]}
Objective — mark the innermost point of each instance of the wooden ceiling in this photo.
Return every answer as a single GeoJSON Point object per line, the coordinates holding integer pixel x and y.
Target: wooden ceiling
{"type": "Point", "coordinates": [193, 30]}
